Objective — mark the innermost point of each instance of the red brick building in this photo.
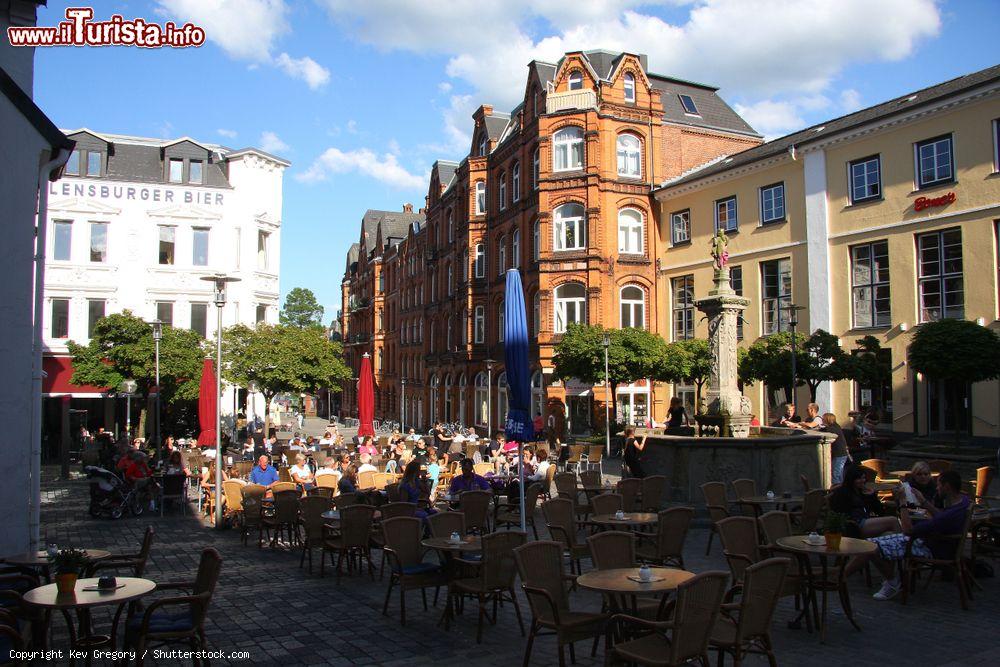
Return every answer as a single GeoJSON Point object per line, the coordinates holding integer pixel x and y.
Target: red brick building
{"type": "Point", "coordinates": [559, 188]}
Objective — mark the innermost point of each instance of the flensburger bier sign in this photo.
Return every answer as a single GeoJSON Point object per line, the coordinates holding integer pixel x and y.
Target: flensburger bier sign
{"type": "Point", "coordinates": [151, 193]}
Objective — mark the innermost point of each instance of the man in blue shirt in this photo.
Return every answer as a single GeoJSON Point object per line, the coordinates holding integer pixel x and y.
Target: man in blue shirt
{"type": "Point", "coordinates": [263, 473]}
{"type": "Point", "coordinates": [468, 480]}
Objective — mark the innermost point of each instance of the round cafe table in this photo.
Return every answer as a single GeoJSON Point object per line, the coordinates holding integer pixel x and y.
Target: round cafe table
{"type": "Point", "coordinates": [49, 598]}
{"type": "Point", "coordinates": [620, 584]}
{"type": "Point", "coordinates": [629, 519]}
{"type": "Point", "coordinates": [40, 559]}
{"type": "Point", "coordinates": [779, 501]}
{"type": "Point", "coordinates": [469, 544]}
{"type": "Point", "coordinates": [849, 547]}
{"type": "Point", "coordinates": [331, 515]}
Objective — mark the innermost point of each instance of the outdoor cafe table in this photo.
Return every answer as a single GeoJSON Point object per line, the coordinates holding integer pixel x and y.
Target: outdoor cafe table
{"type": "Point", "coordinates": [757, 502]}
{"type": "Point", "coordinates": [469, 544]}
{"type": "Point", "coordinates": [629, 519]}
{"type": "Point", "coordinates": [49, 598]}
{"type": "Point", "coordinates": [40, 559]}
{"type": "Point", "coordinates": [849, 547]}
{"type": "Point", "coordinates": [621, 583]}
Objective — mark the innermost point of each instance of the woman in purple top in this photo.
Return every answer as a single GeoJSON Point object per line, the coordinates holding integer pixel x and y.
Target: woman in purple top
{"type": "Point", "coordinates": [414, 488]}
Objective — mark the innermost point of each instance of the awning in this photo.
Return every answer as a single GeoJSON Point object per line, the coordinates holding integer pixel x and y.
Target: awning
{"type": "Point", "coordinates": [59, 372]}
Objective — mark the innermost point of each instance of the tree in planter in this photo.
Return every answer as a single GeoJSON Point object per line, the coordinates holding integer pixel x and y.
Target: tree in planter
{"type": "Point", "coordinates": [824, 361]}
{"type": "Point", "coordinates": [769, 360]}
{"type": "Point", "coordinates": [301, 309]}
{"type": "Point", "coordinates": [633, 354]}
{"type": "Point", "coordinates": [121, 348]}
{"type": "Point", "coordinates": [869, 367]}
{"type": "Point", "coordinates": [281, 359]}
{"type": "Point", "coordinates": [955, 351]}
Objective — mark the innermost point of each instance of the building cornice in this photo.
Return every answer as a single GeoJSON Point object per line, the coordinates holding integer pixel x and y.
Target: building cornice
{"type": "Point", "coordinates": [732, 256]}
{"type": "Point", "coordinates": [666, 192]}
{"type": "Point", "coordinates": [916, 221]}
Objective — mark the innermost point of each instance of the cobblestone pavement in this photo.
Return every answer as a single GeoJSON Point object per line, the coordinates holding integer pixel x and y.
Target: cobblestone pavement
{"type": "Point", "coordinates": [280, 614]}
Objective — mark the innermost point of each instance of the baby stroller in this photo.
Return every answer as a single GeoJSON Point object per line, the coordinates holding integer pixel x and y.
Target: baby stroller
{"type": "Point", "coordinates": [109, 495]}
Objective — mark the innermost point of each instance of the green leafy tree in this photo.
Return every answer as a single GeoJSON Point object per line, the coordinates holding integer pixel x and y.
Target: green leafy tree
{"type": "Point", "coordinates": [870, 367]}
{"type": "Point", "coordinates": [955, 352]}
{"type": "Point", "coordinates": [769, 360]}
{"type": "Point", "coordinates": [633, 354]}
{"type": "Point", "coordinates": [122, 348]}
{"type": "Point", "coordinates": [301, 309]}
{"type": "Point", "coordinates": [282, 359]}
{"type": "Point", "coordinates": [686, 362]}
{"type": "Point", "coordinates": [822, 360]}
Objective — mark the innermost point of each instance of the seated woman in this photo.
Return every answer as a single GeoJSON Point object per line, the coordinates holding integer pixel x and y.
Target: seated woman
{"type": "Point", "coordinates": [920, 478]}
{"type": "Point", "coordinates": [853, 500]}
{"type": "Point", "coordinates": [208, 485]}
{"type": "Point", "coordinates": [175, 465]}
{"type": "Point", "coordinates": [348, 483]}
{"type": "Point", "coordinates": [415, 488]}
{"type": "Point", "coordinates": [302, 474]}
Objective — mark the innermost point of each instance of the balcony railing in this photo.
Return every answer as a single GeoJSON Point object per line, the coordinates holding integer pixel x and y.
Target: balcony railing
{"type": "Point", "coordinates": [570, 99]}
{"type": "Point", "coordinates": [355, 339]}
{"type": "Point", "coordinates": [358, 304]}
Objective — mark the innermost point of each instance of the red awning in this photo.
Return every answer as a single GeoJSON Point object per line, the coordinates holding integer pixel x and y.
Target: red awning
{"type": "Point", "coordinates": [59, 372]}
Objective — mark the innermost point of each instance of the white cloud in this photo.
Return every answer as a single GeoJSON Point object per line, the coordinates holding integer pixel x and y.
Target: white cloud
{"type": "Point", "coordinates": [850, 100]}
{"type": "Point", "coordinates": [271, 143]}
{"type": "Point", "coordinates": [229, 134]}
{"type": "Point", "coordinates": [444, 87]}
{"type": "Point", "coordinates": [305, 68]}
{"type": "Point", "coordinates": [771, 118]}
{"type": "Point", "coordinates": [384, 168]}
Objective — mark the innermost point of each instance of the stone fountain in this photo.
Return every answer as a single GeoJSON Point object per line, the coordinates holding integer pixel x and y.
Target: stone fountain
{"type": "Point", "coordinates": [727, 411]}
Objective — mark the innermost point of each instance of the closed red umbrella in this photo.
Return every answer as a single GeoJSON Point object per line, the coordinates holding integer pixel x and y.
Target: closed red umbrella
{"type": "Point", "coordinates": [366, 397]}
{"type": "Point", "coordinates": [208, 405]}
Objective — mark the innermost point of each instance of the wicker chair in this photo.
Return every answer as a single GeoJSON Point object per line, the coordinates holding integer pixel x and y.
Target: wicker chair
{"type": "Point", "coordinates": [353, 539]}
{"type": "Point", "coordinates": [743, 489]}
{"type": "Point", "coordinates": [482, 468]}
{"type": "Point", "coordinates": [695, 611]}
{"type": "Point", "coordinates": [544, 582]}
{"type": "Point", "coordinates": [314, 527]}
{"type": "Point", "coordinates": [878, 465]}
{"type": "Point", "coordinates": [590, 477]}
{"type": "Point", "coordinates": [612, 550]}
{"type": "Point", "coordinates": [595, 453]}
{"type": "Point", "coordinates": [157, 627]}
{"type": "Point", "coordinates": [366, 479]}
{"type": "Point", "coordinates": [666, 546]}
{"type": "Point", "coordinates": [382, 479]}
{"type": "Point", "coordinates": [321, 491]}
{"type": "Point", "coordinates": [807, 520]}
{"type": "Point", "coordinates": [606, 503]}
{"type": "Point", "coordinates": [550, 476]}
{"type": "Point", "coordinates": [562, 527]}
{"type": "Point", "coordinates": [575, 457]}
{"type": "Point", "coordinates": [475, 505]}
{"type": "Point", "coordinates": [175, 488]}
{"type": "Point", "coordinates": [253, 512]}
{"type": "Point", "coordinates": [494, 582]}
{"type": "Point", "coordinates": [389, 511]}
{"type": "Point", "coordinates": [984, 475]}
{"type": "Point", "coordinates": [630, 488]}
{"type": "Point", "coordinates": [509, 513]}
{"type": "Point", "coordinates": [134, 564]}
{"type": "Point", "coordinates": [443, 524]}
{"type": "Point", "coordinates": [745, 627]}
{"type": "Point", "coordinates": [938, 465]}
{"type": "Point", "coordinates": [566, 488]}
{"type": "Point", "coordinates": [957, 565]}
{"type": "Point", "coordinates": [717, 506]}
{"type": "Point", "coordinates": [279, 487]}
{"type": "Point", "coordinates": [408, 569]}
{"type": "Point", "coordinates": [652, 488]}
{"type": "Point", "coordinates": [285, 517]}
{"type": "Point", "coordinates": [232, 491]}
{"type": "Point", "coordinates": [392, 492]}
{"type": "Point", "coordinates": [328, 481]}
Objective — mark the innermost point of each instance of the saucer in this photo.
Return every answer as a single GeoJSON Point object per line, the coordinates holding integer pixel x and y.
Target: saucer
{"type": "Point", "coordinates": [821, 542]}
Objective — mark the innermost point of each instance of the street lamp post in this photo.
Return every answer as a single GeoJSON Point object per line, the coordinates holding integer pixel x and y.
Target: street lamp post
{"type": "Point", "coordinates": [607, 397]}
{"type": "Point", "coordinates": [219, 282]}
{"type": "Point", "coordinates": [157, 336]}
{"type": "Point", "coordinates": [489, 398]}
{"type": "Point", "coordinates": [792, 323]}
{"type": "Point", "coordinates": [128, 388]}
{"type": "Point", "coordinates": [402, 405]}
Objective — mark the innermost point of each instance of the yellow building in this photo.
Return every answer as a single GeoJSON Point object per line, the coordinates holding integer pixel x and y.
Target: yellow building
{"type": "Point", "coordinates": [874, 223]}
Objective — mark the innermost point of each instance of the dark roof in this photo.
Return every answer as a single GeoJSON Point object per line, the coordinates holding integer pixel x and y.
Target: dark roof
{"type": "Point", "coordinates": [495, 125]}
{"type": "Point", "coordinates": [446, 171]}
{"type": "Point", "coordinates": [834, 126]}
{"type": "Point", "coordinates": [545, 71]}
{"type": "Point", "coordinates": [713, 111]}
{"type": "Point", "coordinates": [27, 107]}
{"type": "Point", "coordinates": [394, 224]}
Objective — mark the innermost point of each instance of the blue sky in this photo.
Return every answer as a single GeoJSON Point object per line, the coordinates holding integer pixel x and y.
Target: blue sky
{"type": "Point", "coordinates": [363, 96]}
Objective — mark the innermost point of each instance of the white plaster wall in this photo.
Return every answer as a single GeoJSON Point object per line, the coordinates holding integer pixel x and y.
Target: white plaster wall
{"type": "Point", "coordinates": [818, 252]}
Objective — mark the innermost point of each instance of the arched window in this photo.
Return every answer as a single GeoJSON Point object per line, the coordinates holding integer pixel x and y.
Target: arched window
{"type": "Point", "coordinates": [479, 326]}
{"type": "Point", "coordinates": [515, 249]}
{"type": "Point", "coordinates": [536, 240]}
{"type": "Point", "coordinates": [482, 398]}
{"type": "Point", "coordinates": [502, 400]}
{"type": "Point", "coordinates": [575, 80]}
{"type": "Point", "coordinates": [630, 231]}
{"type": "Point", "coordinates": [480, 197]}
{"type": "Point", "coordinates": [515, 182]}
{"type": "Point", "coordinates": [463, 328]}
{"type": "Point", "coordinates": [450, 281]}
{"type": "Point", "coordinates": [448, 335]}
{"type": "Point", "coordinates": [536, 313]}
{"type": "Point", "coordinates": [535, 164]}
{"type": "Point", "coordinates": [482, 144]}
{"type": "Point", "coordinates": [629, 82]}
{"type": "Point", "coordinates": [434, 398]}
{"type": "Point", "coordinates": [501, 320]}
{"type": "Point", "coordinates": [570, 229]}
{"type": "Point", "coordinates": [537, 395]}
{"type": "Point", "coordinates": [461, 398]}
{"type": "Point", "coordinates": [451, 228]}
{"type": "Point", "coordinates": [480, 260]}
{"type": "Point", "coordinates": [503, 190]}
{"type": "Point", "coordinates": [567, 149]}
{"type": "Point", "coordinates": [448, 416]}
{"type": "Point", "coordinates": [633, 304]}
{"type": "Point", "coordinates": [465, 265]}
{"type": "Point", "coordinates": [570, 305]}
{"type": "Point", "coordinates": [502, 256]}
{"type": "Point", "coordinates": [629, 155]}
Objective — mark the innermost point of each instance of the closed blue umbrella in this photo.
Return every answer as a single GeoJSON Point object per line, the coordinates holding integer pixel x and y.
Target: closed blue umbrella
{"type": "Point", "coordinates": [519, 427]}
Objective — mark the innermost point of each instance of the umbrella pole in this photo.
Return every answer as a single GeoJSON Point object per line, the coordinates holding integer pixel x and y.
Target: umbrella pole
{"type": "Point", "coordinates": [520, 475]}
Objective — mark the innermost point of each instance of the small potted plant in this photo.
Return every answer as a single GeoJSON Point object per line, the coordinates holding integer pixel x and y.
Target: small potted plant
{"type": "Point", "coordinates": [833, 529]}
{"type": "Point", "coordinates": [68, 564]}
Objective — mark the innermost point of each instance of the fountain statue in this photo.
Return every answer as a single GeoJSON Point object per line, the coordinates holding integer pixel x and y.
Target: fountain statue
{"type": "Point", "coordinates": [727, 410]}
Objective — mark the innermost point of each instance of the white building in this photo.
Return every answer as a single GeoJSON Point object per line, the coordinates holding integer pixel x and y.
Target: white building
{"type": "Point", "coordinates": [135, 224]}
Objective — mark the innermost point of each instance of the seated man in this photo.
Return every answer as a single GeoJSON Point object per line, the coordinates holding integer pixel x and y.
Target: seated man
{"type": "Point", "coordinates": [925, 535]}
{"type": "Point", "coordinates": [264, 473]}
{"type": "Point", "coordinates": [468, 480]}
{"type": "Point", "coordinates": [812, 421]}
{"type": "Point", "coordinates": [366, 464]}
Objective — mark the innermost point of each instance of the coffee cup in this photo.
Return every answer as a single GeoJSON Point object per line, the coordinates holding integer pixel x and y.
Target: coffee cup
{"type": "Point", "coordinates": [814, 538]}
{"type": "Point", "coordinates": [770, 495]}
{"type": "Point", "coordinates": [455, 538]}
{"type": "Point", "coordinates": [107, 582]}
{"type": "Point", "coordinates": [619, 514]}
{"type": "Point", "coordinates": [645, 574]}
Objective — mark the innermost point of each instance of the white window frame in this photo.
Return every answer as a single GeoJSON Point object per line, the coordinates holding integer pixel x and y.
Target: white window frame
{"type": "Point", "coordinates": [568, 143]}
{"type": "Point", "coordinates": [482, 399]}
{"type": "Point", "coordinates": [58, 224]}
{"type": "Point", "coordinates": [764, 190]}
{"type": "Point", "coordinates": [918, 159]}
{"type": "Point", "coordinates": [631, 233]}
{"type": "Point", "coordinates": [208, 244]}
{"type": "Point", "coordinates": [732, 224]}
{"type": "Point", "coordinates": [575, 80]}
{"type": "Point", "coordinates": [515, 182]}
{"type": "Point", "coordinates": [628, 82]}
{"type": "Point", "coordinates": [632, 311]}
{"type": "Point", "coordinates": [502, 256]}
{"type": "Point", "coordinates": [855, 180]}
{"type": "Point", "coordinates": [480, 197]}
{"type": "Point", "coordinates": [536, 165]}
{"type": "Point", "coordinates": [564, 305]}
{"type": "Point", "coordinates": [629, 157]}
{"type": "Point", "coordinates": [536, 240]}
{"type": "Point", "coordinates": [776, 305]}
{"type": "Point", "coordinates": [515, 249]}
{"type": "Point", "coordinates": [562, 226]}
{"type": "Point", "coordinates": [483, 144]}
{"type": "Point", "coordinates": [682, 309]}
{"type": "Point", "coordinates": [451, 227]}
{"type": "Point", "coordinates": [866, 283]}
{"type": "Point", "coordinates": [479, 326]}
{"type": "Point", "coordinates": [480, 261]}
{"type": "Point", "coordinates": [503, 190]}
{"type": "Point", "coordinates": [683, 218]}
{"type": "Point", "coordinates": [95, 225]}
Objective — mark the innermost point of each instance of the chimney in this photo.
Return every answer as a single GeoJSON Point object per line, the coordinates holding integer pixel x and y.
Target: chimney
{"type": "Point", "coordinates": [407, 208]}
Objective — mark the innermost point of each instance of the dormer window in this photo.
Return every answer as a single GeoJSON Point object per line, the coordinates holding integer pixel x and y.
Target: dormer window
{"type": "Point", "coordinates": [185, 170]}
{"type": "Point", "coordinates": [629, 82]}
{"type": "Point", "coordinates": [93, 163]}
{"type": "Point", "coordinates": [175, 171]}
{"type": "Point", "coordinates": [482, 145]}
{"type": "Point", "coordinates": [194, 172]}
{"type": "Point", "coordinates": [85, 163]}
{"type": "Point", "coordinates": [576, 80]}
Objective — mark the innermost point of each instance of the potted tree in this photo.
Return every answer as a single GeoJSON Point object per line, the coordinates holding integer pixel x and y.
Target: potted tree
{"type": "Point", "coordinates": [833, 529]}
{"type": "Point", "coordinates": [68, 564]}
